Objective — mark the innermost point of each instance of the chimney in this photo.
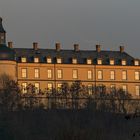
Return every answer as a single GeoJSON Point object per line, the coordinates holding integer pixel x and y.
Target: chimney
{"type": "Point", "coordinates": [10, 44]}
{"type": "Point", "coordinates": [121, 49]}
{"type": "Point", "coordinates": [35, 45]}
{"type": "Point", "coordinates": [98, 48]}
{"type": "Point", "coordinates": [58, 46]}
{"type": "Point", "coordinates": [76, 47]}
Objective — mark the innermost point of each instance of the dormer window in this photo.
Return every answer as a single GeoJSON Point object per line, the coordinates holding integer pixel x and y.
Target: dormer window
{"type": "Point", "coordinates": [59, 60]}
{"type": "Point", "coordinates": [89, 61]}
{"type": "Point", "coordinates": [49, 60]}
{"type": "Point", "coordinates": [136, 62]}
{"type": "Point", "coordinates": [123, 62]}
{"type": "Point", "coordinates": [74, 60]}
{"type": "Point", "coordinates": [23, 59]}
{"type": "Point", "coordinates": [99, 61]}
{"type": "Point", "coordinates": [111, 61]}
{"type": "Point", "coordinates": [36, 59]}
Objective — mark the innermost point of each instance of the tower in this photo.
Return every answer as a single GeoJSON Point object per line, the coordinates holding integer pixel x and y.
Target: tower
{"type": "Point", "coordinates": [2, 33]}
{"type": "Point", "coordinates": [7, 55]}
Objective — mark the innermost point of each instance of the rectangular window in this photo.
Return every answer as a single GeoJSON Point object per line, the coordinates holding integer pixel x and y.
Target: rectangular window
{"type": "Point", "coordinates": [36, 60]}
{"type": "Point", "coordinates": [89, 89]}
{"type": "Point", "coordinates": [59, 87]}
{"type": "Point", "coordinates": [136, 63]}
{"type": "Point", "coordinates": [74, 74]}
{"type": "Point", "coordinates": [100, 75]}
{"type": "Point", "coordinates": [99, 62]}
{"type": "Point", "coordinates": [89, 61]}
{"type": "Point", "coordinates": [36, 73]}
{"type": "Point", "coordinates": [59, 60]}
{"type": "Point", "coordinates": [74, 61]}
{"type": "Point", "coordinates": [112, 75]}
{"type": "Point", "coordinates": [49, 87]}
{"type": "Point", "coordinates": [137, 75]}
{"type": "Point", "coordinates": [49, 60]}
{"type": "Point", "coordinates": [111, 62]}
{"type": "Point", "coordinates": [23, 60]}
{"type": "Point", "coordinates": [24, 73]}
{"type": "Point", "coordinates": [24, 88]}
{"type": "Point", "coordinates": [124, 75]}
{"type": "Point", "coordinates": [113, 88]}
{"type": "Point", "coordinates": [37, 87]}
{"type": "Point", "coordinates": [124, 88]}
{"type": "Point", "coordinates": [49, 73]}
{"type": "Point", "coordinates": [59, 74]}
{"type": "Point", "coordinates": [123, 62]}
{"type": "Point", "coordinates": [137, 90]}
{"type": "Point", "coordinates": [89, 74]}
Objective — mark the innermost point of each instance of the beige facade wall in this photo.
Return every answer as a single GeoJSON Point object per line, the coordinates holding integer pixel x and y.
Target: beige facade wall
{"type": "Point", "coordinates": [9, 68]}
{"type": "Point", "coordinates": [67, 69]}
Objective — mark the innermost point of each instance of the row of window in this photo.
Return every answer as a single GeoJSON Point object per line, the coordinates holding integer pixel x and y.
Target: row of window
{"type": "Point", "coordinates": [75, 74]}
{"type": "Point", "coordinates": [75, 61]}
{"type": "Point", "coordinates": [90, 88]}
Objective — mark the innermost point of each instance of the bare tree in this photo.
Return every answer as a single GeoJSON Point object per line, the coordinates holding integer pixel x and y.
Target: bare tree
{"type": "Point", "coordinates": [9, 93]}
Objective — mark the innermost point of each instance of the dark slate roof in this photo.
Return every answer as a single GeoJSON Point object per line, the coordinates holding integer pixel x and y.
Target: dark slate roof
{"type": "Point", "coordinates": [1, 27]}
{"type": "Point", "coordinates": [6, 53]}
{"type": "Point", "coordinates": [67, 55]}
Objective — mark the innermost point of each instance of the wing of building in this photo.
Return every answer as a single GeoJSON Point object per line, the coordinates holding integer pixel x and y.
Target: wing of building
{"type": "Point", "coordinates": [48, 68]}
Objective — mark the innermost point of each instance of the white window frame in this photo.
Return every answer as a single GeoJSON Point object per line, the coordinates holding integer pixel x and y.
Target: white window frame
{"type": "Point", "coordinates": [37, 87]}
{"type": "Point", "coordinates": [112, 62]}
{"type": "Point", "coordinates": [99, 61]}
{"type": "Point", "coordinates": [89, 74]}
{"type": "Point", "coordinates": [59, 60]}
{"type": "Point", "coordinates": [137, 75]}
{"type": "Point", "coordinates": [24, 72]}
{"type": "Point", "coordinates": [49, 60]}
{"type": "Point", "coordinates": [24, 87]}
{"type": "Point", "coordinates": [124, 88]}
{"type": "Point", "coordinates": [36, 60]}
{"type": "Point", "coordinates": [49, 73]}
{"type": "Point", "coordinates": [36, 72]}
{"type": "Point", "coordinates": [136, 62]}
{"type": "Point", "coordinates": [89, 61]}
{"type": "Point", "coordinates": [137, 90]}
{"type": "Point", "coordinates": [124, 75]}
{"type": "Point", "coordinates": [112, 75]}
{"type": "Point", "coordinates": [50, 87]}
{"type": "Point", "coordinates": [59, 86]}
{"type": "Point", "coordinates": [100, 75]}
{"type": "Point", "coordinates": [74, 61]}
{"type": "Point", "coordinates": [123, 62]}
{"type": "Point", "coordinates": [90, 89]}
{"type": "Point", "coordinates": [59, 73]}
{"type": "Point", "coordinates": [23, 59]}
{"type": "Point", "coordinates": [75, 74]}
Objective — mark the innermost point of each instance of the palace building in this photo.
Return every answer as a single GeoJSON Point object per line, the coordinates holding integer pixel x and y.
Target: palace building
{"type": "Point", "coordinates": [48, 68]}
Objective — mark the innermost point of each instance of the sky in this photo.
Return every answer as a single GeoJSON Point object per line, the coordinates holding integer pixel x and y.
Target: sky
{"type": "Point", "coordinates": [110, 23]}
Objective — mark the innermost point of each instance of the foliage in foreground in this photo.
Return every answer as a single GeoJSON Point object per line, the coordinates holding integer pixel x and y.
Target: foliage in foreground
{"type": "Point", "coordinates": [74, 96]}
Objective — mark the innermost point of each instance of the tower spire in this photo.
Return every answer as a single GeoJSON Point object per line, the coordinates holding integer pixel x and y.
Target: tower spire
{"type": "Point", "coordinates": [2, 33]}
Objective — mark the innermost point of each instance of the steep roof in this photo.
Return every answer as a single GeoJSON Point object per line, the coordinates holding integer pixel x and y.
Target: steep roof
{"type": "Point", "coordinates": [67, 55]}
{"type": "Point", "coordinates": [1, 27]}
{"type": "Point", "coordinates": [6, 53]}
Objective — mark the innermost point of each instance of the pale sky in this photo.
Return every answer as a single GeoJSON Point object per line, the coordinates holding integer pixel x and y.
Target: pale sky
{"type": "Point", "coordinates": [110, 23]}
